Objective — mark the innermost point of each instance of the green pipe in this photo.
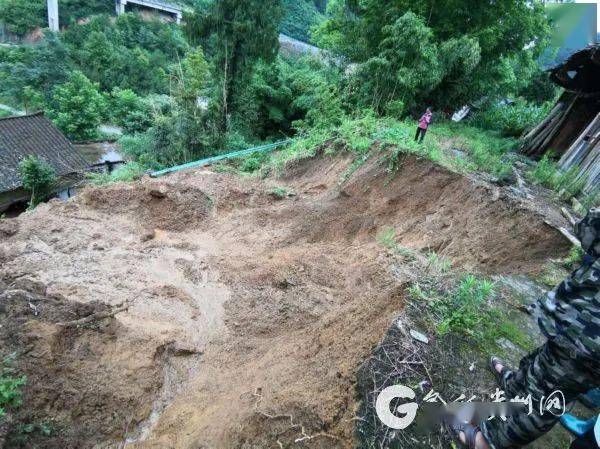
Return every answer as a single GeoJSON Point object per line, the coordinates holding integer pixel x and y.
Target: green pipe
{"type": "Point", "coordinates": [210, 160]}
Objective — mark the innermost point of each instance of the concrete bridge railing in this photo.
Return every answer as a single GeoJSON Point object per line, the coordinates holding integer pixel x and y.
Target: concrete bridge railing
{"type": "Point", "coordinates": [158, 5]}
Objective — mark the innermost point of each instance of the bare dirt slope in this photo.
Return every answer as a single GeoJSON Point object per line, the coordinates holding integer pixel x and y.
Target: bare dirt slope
{"type": "Point", "coordinates": [249, 314]}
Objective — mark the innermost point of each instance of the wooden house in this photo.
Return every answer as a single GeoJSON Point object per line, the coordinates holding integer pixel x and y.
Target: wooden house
{"type": "Point", "coordinates": [571, 131]}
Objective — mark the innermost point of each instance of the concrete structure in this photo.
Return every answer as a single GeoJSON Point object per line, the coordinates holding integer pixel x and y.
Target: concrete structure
{"type": "Point", "coordinates": [169, 9]}
{"type": "Point", "coordinates": [53, 22]}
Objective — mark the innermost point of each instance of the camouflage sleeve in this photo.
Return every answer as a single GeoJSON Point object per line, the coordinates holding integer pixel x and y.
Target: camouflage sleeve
{"type": "Point", "coordinates": [572, 310]}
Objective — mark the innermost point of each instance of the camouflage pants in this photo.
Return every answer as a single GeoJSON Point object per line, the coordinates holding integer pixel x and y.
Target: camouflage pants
{"type": "Point", "coordinates": [553, 366]}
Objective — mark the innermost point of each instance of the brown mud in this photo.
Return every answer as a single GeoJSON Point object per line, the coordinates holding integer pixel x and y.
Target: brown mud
{"type": "Point", "coordinates": [249, 314]}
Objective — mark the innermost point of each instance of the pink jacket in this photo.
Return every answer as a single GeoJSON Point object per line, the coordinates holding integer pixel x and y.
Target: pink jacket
{"type": "Point", "coordinates": [425, 120]}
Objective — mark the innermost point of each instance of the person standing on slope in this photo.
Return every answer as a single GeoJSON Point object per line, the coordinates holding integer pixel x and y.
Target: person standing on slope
{"type": "Point", "coordinates": [423, 125]}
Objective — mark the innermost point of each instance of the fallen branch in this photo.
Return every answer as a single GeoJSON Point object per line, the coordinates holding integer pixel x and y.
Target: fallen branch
{"type": "Point", "coordinates": [94, 317]}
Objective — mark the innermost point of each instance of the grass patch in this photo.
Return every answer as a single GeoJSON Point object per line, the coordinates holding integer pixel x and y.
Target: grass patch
{"type": "Point", "coordinates": [555, 271]}
{"type": "Point", "coordinates": [280, 192]}
{"type": "Point", "coordinates": [131, 171]}
{"type": "Point", "coordinates": [387, 238]}
{"type": "Point", "coordinates": [547, 174]}
{"type": "Point", "coordinates": [458, 147]}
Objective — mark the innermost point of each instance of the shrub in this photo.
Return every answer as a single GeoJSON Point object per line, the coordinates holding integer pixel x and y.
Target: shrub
{"type": "Point", "coordinates": [129, 111]}
{"type": "Point", "coordinates": [77, 107]}
{"type": "Point", "coordinates": [300, 16]}
{"type": "Point", "coordinates": [463, 307]}
{"type": "Point", "coordinates": [591, 199]}
{"type": "Point", "coordinates": [544, 173]}
{"type": "Point", "coordinates": [37, 177]}
{"type": "Point", "coordinates": [129, 172]}
{"type": "Point", "coordinates": [510, 119]}
{"type": "Point", "coordinates": [10, 386]}
{"type": "Point", "coordinates": [547, 173]}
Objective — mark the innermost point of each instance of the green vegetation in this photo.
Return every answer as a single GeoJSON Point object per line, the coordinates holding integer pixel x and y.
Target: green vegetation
{"type": "Point", "coordinates": [459, 147]}
{"type": "Point", "coordinates": [77, 107]}
{"type": "Point", "coordinates": [555, 271]}
{"type": "Point", "coordinates": [218, 84]}
{"type": "Point", "coordinates": [125, 173]}
{"type": "Point", "coordinates": [547, 174]}
{"type": "Point", "coordinates": [434, 53]}
{"type": "Point", "coordinates": [462, 304]}
{"type": "Point", "coordinates": [280, 192]}
{"type": "Point", "coordinates": [20, 17]}
{"type": "Point", "coordinates": [37, 177]}
{"type": "Point", "coordinates": [103, 60]}
{"type": "Point", "coordinates": [299, 18]}
{"type": "Point", "coordinates": [465, 305]}
{"type": "Point", "coordinates": [10, 386]}
{"type": "Point", "coordinates": [512, 120]}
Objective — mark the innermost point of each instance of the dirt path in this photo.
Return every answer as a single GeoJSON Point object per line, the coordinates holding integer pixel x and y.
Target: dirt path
{"type": "Point", "coordinates": [252, 312]}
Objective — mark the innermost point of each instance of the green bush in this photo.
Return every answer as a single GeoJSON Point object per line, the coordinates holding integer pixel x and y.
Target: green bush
{"type": "Point", "coordinates": [544, 173]}
{"type": "Point", "coordinates": [77, 107]}
{"type": "Point", "coordinates": [131, 171]}
{"type": "Point", "coordinates": [590, 200]}
{"type": "Point", "coordinates": [463, 308]}
{"type": "Point", "coordinates": [547, 173]}
{"type": "Point", "coordinates": [129, 111]}
{"type": "Point", "coordinates": [512, 120]}
{"type": "Point", "coordinates": [299, 17]}
{"type": "Point", "coordinates": [10, 386]}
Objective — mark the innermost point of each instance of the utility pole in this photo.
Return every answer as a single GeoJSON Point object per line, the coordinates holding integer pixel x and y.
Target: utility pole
{"type": "Point", "coordinates": [53, 15]}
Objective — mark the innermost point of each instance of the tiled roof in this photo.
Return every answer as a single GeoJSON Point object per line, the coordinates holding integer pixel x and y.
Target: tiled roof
{"type": "Point", "coordinates": [34, 135]}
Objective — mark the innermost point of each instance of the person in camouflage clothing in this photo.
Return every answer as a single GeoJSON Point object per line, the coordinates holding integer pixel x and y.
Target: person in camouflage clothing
{"type": "Point", "coordinates": [569, 317]}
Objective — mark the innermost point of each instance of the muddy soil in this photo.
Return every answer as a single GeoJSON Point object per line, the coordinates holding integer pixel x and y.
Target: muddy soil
{"type": "Point", "coordinates": [248, 314]}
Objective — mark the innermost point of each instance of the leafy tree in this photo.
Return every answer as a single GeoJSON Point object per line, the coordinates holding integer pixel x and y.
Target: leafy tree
{"type": "Point", "coordinates": [407, 64]}
{"type": "Point", "coordinates": [41, 67]}
{"type": "Point", "coordinates": [480, 44]}
{"type": "Point", "coordinates": [77, 107]}
{"type": "Point", "coordinates": [129, 110]}
{"type": "Point", "coordinates": [190, 78]}
{"type": "Point", "coordinates": [37, 177]}
{"type": "Point", "coordinates": [128, 52]}
{"type": "Point", "coordinates": [71, 10]}
{"type": "Point", "coordinates": [98, 58]}
{"type": "Point", "coordinates": [300, 16]}
{"type": "Point", "coordinates": [238, 33]}
{"type": "Point", "coordinates": [22, 16]}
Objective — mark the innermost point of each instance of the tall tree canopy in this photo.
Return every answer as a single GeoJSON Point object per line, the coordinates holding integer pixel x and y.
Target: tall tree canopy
{"type": "Point", "coordinates": [472, 47]}
{"type": "Point", "coordinates": [236, 34]}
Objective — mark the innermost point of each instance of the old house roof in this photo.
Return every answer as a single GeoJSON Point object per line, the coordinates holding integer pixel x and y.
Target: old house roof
{"type": "Point", "coordinates": [34, 135]}
{"type": "Point", "coordinates": [580, 73]}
